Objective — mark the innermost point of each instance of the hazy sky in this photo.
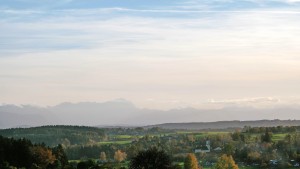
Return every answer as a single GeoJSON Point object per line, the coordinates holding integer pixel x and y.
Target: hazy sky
{"type": "Point", "coordinates": [156, 53]}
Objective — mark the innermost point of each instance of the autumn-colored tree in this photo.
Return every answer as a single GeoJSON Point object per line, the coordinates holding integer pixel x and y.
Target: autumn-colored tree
{"type": "Point", "coordinates": [253, 156]}
{"type": "Point", "coordinates": [102, 156]}
{"type": "Point", "coordinates": [226, 162]}
{"type": "Point", "coordinates": [42, 156]}
{"type": "Point", "coordinates": [120, 156]}
{"type": "Point", "coordinates": [191, 138]}
{"type": "Point", "coordinates": [191, 162]}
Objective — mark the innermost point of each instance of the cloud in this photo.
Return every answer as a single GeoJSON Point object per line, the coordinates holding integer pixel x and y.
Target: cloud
{"type": "Point", "coordinates": [135, 53]}
{"type": "Point", "coordinates": [71, 26]}
{"type": "Point", "coordinates": [289, 1]}
{"type": "Point", "coordinates": [247, 100]}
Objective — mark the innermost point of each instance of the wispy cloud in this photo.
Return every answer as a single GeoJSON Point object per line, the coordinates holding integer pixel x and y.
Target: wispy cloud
{"type": "Point", "coordinates": [83, 25]}
{"type": "Point", "coordinates": [246, 100]}
{"type": "Point", "coordinates": [131, 11]}
{"type": "Point", "coordinates": [167, 54]}
{"type": "Point", "coordinates": [288, 1]}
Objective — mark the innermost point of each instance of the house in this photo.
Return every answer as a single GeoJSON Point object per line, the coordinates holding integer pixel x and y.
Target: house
{"type": "Point", "coordinates": [204, 148]}
{"type": "Point", "coordinates": [218, 149]}
{"type": "Point", "coordinates": [273, 162]}
{"type": "Point", "coordinates": [294, 163]}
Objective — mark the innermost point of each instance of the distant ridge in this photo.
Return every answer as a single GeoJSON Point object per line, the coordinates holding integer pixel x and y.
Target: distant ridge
{"type": "Point", "coordinates": [121, 112]}
{"type": "Point", "coordinates": [227, 124]}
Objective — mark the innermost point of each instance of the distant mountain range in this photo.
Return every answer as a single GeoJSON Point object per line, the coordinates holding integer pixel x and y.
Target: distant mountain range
{"type": "Point", "coordinates": [121, 112]}
{"type": "Point", "coordinates": [227, 124]}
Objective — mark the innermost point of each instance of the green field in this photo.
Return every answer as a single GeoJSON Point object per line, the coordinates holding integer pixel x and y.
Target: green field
{"type": "Point", "coordinates": [205, 134]}
{"type": "Point", "coordinates": [123, 136]}
{"type": "Point", "coordinates": [277, 137]}
{"type": "Point", "coordinates": [115, 142]}
{"type": "Point", "coordinates": [184, 132]}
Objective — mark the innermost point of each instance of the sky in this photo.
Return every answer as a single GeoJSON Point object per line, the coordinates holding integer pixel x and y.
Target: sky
{"type": "Point", "coordinates": [160, 54]}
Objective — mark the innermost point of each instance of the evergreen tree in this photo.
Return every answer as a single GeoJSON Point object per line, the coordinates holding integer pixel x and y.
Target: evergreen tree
{"type": "Point", "coordinates": [151, 159]}
{"type": "Point", "coordinates": [267, 137]}
{"type": "Point", "coordinates": [60, 155]}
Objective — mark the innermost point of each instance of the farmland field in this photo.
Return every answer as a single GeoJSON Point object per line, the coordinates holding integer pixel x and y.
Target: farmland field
{"type": "Point", "coordinates": [205, 134]}
{"type": "Point", "coordinates": [115, 142]}
{"type": "Point", "coordinates": [277, 137]}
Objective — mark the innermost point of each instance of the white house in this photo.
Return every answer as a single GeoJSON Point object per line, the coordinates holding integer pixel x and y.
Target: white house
{"type": "Point", "coordinates": [204, 149]}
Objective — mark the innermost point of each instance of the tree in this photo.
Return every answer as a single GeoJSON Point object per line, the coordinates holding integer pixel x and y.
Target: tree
{"type": "Point", "coordinates": [253, 156]}
{"type": "Point", "coordinates": [102, 156]}
{"type": "Point", "coordinates": [86, 164]}
{"type": "Point", "coordinates": [236, 136]}
{"type": "Point", "coordinates": [229, 149]}
{"type": "Point", "coordinates": [191, 138]}
{"type": "Point", "coordinates": [191, 162]}
{"type": "Point", "coordinates": [133, 150]}
{"type": "Point", "coordinates": [15, 152]}
{"type": "Point", "coordinates": [151, 159]}
{"type": "Point", "coordinates": [42, 156]}
{"type": "Point", "coordinates": [226, 162]}
{"type": "Point", "coordinates": [267, 137]}
{"type": "Point", "coordinates": [120, 156]}
{"type": "Point", "coordinates": [60, 155]}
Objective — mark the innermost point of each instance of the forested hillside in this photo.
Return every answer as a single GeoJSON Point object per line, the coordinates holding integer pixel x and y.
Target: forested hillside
{"type": "Point", "coordinates": [54, 135]}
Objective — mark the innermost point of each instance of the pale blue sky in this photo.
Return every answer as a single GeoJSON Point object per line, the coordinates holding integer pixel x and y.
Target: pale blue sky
{"type": "Point", "coordinates": [80, 4]}
{"type": "Point", "coordinates": [17, 14]}
{"type": "Point", "coordinates": [158, 54]}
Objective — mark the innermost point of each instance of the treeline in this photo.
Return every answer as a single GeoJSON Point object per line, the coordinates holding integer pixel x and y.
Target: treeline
{"type": "Point", "coordinates": [277, 129]}
{"type": "Point", "coordinates": [76, 135]}
{"type": "Point", "coordinates": [227, 124]}
{"type": "Point", "coordinates": [92, 151]}
{"type": "Point", "coordinates": [60, 134]}
{"type": "Point", "coordinates": [21, 153]}
{"type": "Point", "coordinates": [137, 131]}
